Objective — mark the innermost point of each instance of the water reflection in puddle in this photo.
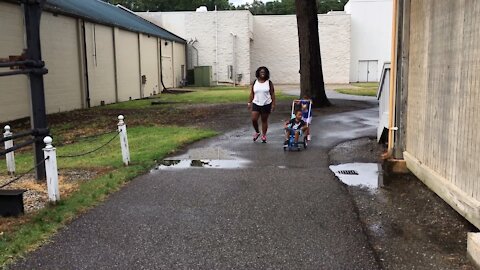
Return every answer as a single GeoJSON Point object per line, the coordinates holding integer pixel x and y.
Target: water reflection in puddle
{"type": "Point", "coordinates": [366, 174]}
{"type": "Point", "coordinates": [200, 163]}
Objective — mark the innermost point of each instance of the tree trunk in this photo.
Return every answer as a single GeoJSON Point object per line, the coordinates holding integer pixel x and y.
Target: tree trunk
{"type": "Point", "coordinates": [311, 74]}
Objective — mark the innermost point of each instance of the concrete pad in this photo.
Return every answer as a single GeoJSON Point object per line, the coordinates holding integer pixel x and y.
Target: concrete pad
{"type": "Point", "coordinates": [473, 248]}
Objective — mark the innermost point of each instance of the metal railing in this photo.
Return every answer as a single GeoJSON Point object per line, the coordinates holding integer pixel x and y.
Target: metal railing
{"type": "Point", "coordinates": [50, 156]}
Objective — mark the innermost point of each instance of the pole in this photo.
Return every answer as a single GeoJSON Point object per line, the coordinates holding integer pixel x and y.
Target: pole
{"type": "Point", "coordinates": [33, 11]}
{"type": "Point", "coordinates": [10, 157]}
{"type": "Point", "coordinates": [50, 157]}
{"type": "Point", "coordinates": [393, 79]}
{"type": "Point", "coordinates": [122, 130]}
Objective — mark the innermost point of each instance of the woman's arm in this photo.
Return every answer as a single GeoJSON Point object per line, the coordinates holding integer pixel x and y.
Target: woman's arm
{"type": "Point", "coordinates": [272, 94]}
{"type": "Point", "coordinates": [250, 99]}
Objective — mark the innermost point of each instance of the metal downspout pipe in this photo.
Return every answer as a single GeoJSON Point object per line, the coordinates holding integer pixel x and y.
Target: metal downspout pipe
{"type": "Point", "coordinates": [393, 76]}
{"type": "Point", "coordinates": [216, 45]}
{"type": "Point", "coordinates": [234, 52]}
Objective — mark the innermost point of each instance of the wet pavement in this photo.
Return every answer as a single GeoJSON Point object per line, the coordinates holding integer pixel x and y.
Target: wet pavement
{"type": "Point", "coordinates": [229, 203]}
{"type": "Point", "coordinates": [280, 210]}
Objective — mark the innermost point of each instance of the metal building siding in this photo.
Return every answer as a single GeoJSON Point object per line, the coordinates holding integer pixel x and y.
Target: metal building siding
{"type": "Point", "coordinates": [167, 63]}
{"type": "Point", "coordinates": [60, 51]}
{"type": "Point", "coordinates": [104, 13]}
{"type": "Point", "coordinates": [179, 60]}
{"type": "Point", "coordinates": [14, 90]}
{"type": "Point", "coordinates": [149, 59]}
{"type": "Point", "coordinates": [101, 63]}
{"type": "Point", "coordinates": [128, 69]}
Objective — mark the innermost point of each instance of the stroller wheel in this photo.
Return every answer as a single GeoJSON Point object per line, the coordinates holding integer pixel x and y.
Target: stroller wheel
{"type": "Point", "coordinates": [305, 143]}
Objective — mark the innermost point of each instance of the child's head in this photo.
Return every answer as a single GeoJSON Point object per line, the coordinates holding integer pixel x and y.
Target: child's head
{"type": "Point", "coordinates": [298, 115]}
{"type": "Point", "coordinates": [304, 107]}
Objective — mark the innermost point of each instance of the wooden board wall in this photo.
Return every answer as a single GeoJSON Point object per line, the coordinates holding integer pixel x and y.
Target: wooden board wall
{"type": "Point", "coordinates": [444, 91]}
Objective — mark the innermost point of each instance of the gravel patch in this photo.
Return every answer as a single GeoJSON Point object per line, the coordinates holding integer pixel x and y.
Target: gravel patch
{"type": "Point", "coordinates": [36, 196]}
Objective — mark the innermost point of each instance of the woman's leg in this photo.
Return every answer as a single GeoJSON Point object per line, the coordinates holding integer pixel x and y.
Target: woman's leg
{"type": "Point", "coordinates": [255, 116]}
{"type": "Point", "coordinates": [264, 117]}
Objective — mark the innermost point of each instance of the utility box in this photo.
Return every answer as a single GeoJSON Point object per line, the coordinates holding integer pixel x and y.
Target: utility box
{"type": "Point", "coordinates": [11, 202]}
{"type": "Point", "coordinates": [190, 77]}
{"type": "Point", "coordinates": [203, 76]}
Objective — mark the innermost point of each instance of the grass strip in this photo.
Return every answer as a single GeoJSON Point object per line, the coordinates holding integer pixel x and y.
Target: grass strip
{"type": "Point", "coordinates": [147, 144]}
{"type": "Point", "coordinates": [359, 92]}
{"type": "Point", "coordinates": [199, 96]}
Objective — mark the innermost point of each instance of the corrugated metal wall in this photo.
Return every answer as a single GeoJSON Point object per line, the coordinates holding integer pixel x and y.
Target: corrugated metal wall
{"type": "Point", "coordinates": [14, 90]}
{"type": "Point", "coordinates": [167, 63]}
{"type": "Point", "coordinates": [60, 51]}
{"type": "Point", "coordinates": [128, 65]}
{"type": "Point", "coordinates": [149, 58]}
{"type": "Point", "coordinates": [443, 117]}
{"type": "Point", "coordinates": [113, 63]}
{"type": "Point", "coordinates": [179, 59]}
{"type": "Point", "coordinates": [100, 63]}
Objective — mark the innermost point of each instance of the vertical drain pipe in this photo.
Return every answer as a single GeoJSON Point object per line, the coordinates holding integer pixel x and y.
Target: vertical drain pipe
{"type": "Point", "coordinates": [161, 66]}
{"type": "Point", "coordinates": [87, 84]}
{"type": "Point", "coordinates": [216, 45]}
{"type": "Point", "coordinates": [393, 75]}
{"type": "Point", "coordinates": [234, 58]}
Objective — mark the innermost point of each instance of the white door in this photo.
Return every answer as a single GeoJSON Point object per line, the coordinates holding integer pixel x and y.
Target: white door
{"type": "Point", "coordinates": [368, 71]}
{"type": "Point", "coordinates": [372, 71]}
{"type": "Point", "coordinates": [363, 71]}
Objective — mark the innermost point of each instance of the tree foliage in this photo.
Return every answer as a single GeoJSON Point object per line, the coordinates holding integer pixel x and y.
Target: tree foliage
{"type": "Point", "coordinates": [280, 7]}
{"type": "Point", "coordinates": [257, 7]}
{"type": "Point", "coordinates": [172, 5]}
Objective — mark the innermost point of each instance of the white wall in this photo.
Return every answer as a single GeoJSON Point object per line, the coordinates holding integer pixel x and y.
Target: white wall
{"type": "Point", "coordinates": [270, 41]}
{"type": "Point", "coordinates": [202, 27]}
{"type": "Point", "coordinates": [276, 46]}
{"type": "Point", "coordinates": [371, 33]}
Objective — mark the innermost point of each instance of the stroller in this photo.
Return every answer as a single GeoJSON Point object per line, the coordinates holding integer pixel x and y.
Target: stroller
{"type": "Point", "coordinates": [305, 106]}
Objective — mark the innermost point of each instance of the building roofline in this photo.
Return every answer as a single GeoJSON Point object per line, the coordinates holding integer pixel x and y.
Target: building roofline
{"type": "Point", "coordinates": [49, 7]}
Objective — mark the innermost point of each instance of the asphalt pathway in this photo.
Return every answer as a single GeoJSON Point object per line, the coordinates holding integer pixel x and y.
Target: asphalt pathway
{"type": "Point", "coordinates": [279, 210]}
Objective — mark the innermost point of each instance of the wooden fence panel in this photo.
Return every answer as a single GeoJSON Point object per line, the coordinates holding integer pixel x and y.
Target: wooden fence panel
{"type": "Point", "coordinates": [443, 115]}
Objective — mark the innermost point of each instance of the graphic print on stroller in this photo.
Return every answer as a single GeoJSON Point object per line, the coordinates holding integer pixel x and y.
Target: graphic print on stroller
{"type": "Point", "coordinates": [297, 130]}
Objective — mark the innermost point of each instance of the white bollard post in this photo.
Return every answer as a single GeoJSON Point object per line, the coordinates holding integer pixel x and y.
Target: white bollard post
{"type": "Point", "coordinates": [10, 157]}
{"type": "Point", "coordinates": [122, 129]}
{"type": "Point", "coordinates": [51, 168]}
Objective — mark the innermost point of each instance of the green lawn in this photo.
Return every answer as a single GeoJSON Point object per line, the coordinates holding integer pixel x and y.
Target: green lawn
{"type": "Point", "coordinates": [360, 89]}
{"type": "Point", "coordinates": [214, 95]}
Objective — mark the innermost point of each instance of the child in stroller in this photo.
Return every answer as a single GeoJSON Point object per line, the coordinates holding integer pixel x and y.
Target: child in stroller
{"type": "Point", "coordinates": [295, 128]}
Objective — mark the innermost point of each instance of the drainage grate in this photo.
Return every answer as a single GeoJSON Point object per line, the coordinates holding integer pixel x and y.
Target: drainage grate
{"type": "Point", "coordinates": [348, 172]}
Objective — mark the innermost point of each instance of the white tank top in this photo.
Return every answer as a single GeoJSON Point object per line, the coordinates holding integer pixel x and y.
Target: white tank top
{"type": "Point", "coordinates": [261, 93]}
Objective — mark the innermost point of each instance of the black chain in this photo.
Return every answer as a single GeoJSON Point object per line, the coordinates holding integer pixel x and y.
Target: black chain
{"type": "Point", "coordinates": [89, 152]}
{"type": "Point", "coordinates": [29, 171]}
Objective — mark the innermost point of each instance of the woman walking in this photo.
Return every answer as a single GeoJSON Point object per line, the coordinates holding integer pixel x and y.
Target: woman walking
{"type": "Point", "coordinates": [261, 102]}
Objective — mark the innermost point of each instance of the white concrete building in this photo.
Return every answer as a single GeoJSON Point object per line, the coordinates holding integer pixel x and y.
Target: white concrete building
{"type": "Point", "coordinates": [354, 44]}
{"type": "Point", "coordinates": [275, 45]}
{"type": "Point", "coordinates": [237, 43]}
{"type": "Point", "coordinates": [219, 39]}
{"type": "Point", "coordinates": [371, 34]}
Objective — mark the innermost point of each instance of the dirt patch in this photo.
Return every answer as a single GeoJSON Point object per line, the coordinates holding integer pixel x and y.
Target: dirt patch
{"type": "Point", "coordinates": [36, 196]}
{"type": "Point", "coordinates": [408, 225]}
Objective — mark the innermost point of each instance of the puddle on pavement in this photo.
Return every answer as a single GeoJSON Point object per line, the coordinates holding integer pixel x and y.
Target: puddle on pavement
{"type": "Point", "coordinates": [357, 174]}
{"type": "Point", "coordinates": [200, 163]}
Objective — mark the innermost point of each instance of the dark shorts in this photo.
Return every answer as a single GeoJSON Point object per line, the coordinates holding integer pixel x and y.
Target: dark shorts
{"type": "Point", "coordinates": [262, 109]}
